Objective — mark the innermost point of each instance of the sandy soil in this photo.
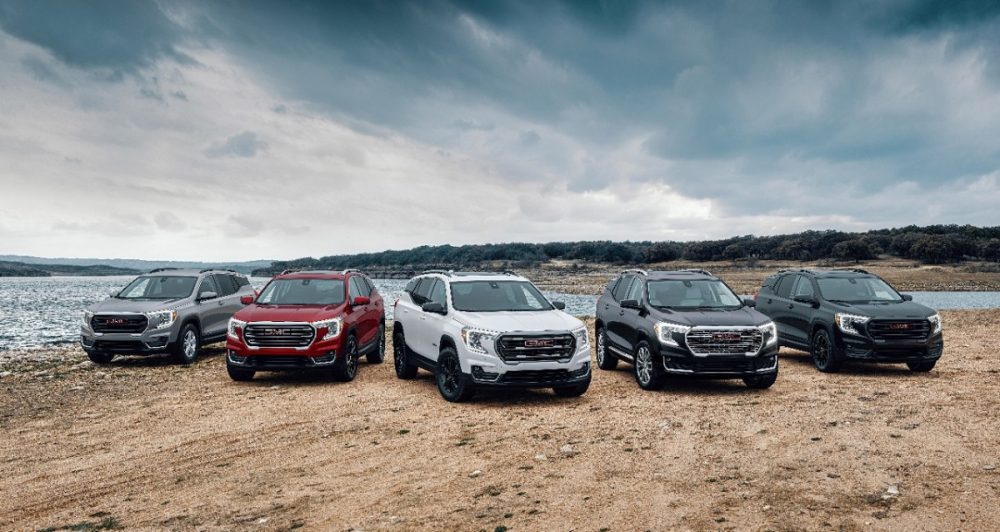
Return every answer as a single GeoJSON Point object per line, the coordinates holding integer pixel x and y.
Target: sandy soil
{"type": "Point", "coordinates": [146, 444]}
{"type": "Point", "coordinates": [905, 275]}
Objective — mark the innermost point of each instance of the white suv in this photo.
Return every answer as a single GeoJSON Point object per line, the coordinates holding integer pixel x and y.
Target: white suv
{"type": "Point", "coordinates": [488, 329]}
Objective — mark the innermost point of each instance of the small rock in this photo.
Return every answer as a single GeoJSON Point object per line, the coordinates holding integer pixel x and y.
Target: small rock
{"type": "Point", "coordinates": [832, 475]}
{"type": "Point", "coordinates": [815, 438]}
{"type": "Point", "coordinates": [541, 457]}
{"type": "Point", "coordinates": [475, 474]}
{"type": "Point", "coordinates": [989, 467]}
{"type": "Point", "coordinates": [262, 520]}
{"type": "Point", "coordinates": [892, 490]}
{"type": "Point", "coordinates": [766, 507]}
{"type": "Point", "coordinates": [567, 450]}
{"type": "Point", "coordinates": [5, 374]}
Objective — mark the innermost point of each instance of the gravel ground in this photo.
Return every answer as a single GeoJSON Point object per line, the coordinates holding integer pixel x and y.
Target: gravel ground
{"type": "Point", "coordinates": [147, 444]}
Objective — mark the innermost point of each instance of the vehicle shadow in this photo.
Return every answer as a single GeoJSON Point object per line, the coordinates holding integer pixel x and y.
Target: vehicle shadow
{"type": "Point", "coordinates": [497, 397]}
{"type": "Point", "coordinates": [207, 352]}
{"type": "Point", "coordinates": [850, 367]}
{"type": "Point", "coordinates": [687, 384]}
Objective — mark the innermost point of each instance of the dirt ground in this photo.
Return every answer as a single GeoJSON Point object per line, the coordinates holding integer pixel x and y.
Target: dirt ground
{"type": "Point", "coordinates": [146, 444]}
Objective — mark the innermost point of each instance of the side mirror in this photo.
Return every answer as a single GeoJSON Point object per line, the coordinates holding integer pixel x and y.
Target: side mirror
{"type": "Point", "coordinates": [246, 300]}
{"type": "Point", "coordinates": [749, 302]}
{"type": "Point", "coordinates": [436, 308]}
{"type": "Point", "coordinates": [907, 297]}
{"type": "Point", "coordinates": [207, 295]}
{"type": "Point", "coordinates": [559, 305]}
{"type": "Point", "coordinates": [113, 293]}
{"type": "Point", "coordinates": [360, 300]}
{"type": "Point", "coordinates": [631, 303]}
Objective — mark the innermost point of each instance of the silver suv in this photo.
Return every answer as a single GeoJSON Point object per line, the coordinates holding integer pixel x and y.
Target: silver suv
{"type": "Point", "coordinates": [478, 330]}
{"type": "Point", "coordinates": [168, 310]}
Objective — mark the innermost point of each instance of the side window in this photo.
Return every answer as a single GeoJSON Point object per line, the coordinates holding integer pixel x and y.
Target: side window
{"type": "Point", "coordinates": [354, 288]}
{"type": "Point", "coordinates": [438, 294]}
{"type": "Point", "coordinates": [410, 286]}
{"type": "Point", "coordinates": [635, 291]}
{"type": "Point", "coordinates": [369, 285]}
{"type": "Point", "coordinates": [241, 281]}
{"type": "Point", "coordinates": [613, 284]}
{"type": "Point", "coordinates": [208, 285]}
{"type": "Point", "coordinates": [422, 291]}
{"type": "Point", "coordinates": [784, 287]}
{"type": "Point", "coordinates": [226, 284]}
{"type": "Point", "coordinates": [622, 287]}
{"type": "Point", "coordinates": [803, 287]}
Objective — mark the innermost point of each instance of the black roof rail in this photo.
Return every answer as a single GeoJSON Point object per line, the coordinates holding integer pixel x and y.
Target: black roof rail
{"type": "Point", "coordinates": [442, 272]}
{"type": "Point", "coordinates": [855, 270]}
{"type": "Point", "coordinates": [154, 270]}
{"type": "Point", "coordinates": [635, 270]}
{"type": "Point", "coordinates": [510, 272]}
{"type": "Point", "coordinates": [698, 270]}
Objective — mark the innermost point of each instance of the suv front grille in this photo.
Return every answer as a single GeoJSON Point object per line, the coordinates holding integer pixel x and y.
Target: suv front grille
{"type": "Point", "coordinates": [724, 341]}
{"type": "Point", "coordinates": [529, 347]}
{"type": "Point", "coordinates": [119, 323]}
{"type": "Point", "coordinates": [279, 335]}
{"type": "Point", "coordinates": [899, 329]}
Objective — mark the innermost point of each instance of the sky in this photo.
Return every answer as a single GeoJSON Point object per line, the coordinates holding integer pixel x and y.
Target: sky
{"type": "Point", "coordinates": [242, 130]}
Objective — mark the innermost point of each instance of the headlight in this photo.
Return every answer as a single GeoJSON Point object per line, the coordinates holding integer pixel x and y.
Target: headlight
{"type": "Point", "coordinates": [851, 323]}
{"type": "Point", "coordinates": [235, 327]}
{"type": "Point", "coordinates": [935, 323]}
{"type": "Point", "coordinates": [770, 332]}
{"type": "Point", "coordinates": [666, 332]}
{"type": "Point", "coordinates": [582, 340]}
{"type": "Point", "coordinates": [332, 327]}
{"type": "Point", "coordinates": [477, 340]}
{"type": "Point", "coordinates": [161, 319]}
{"type": "Point", "coordinates": [87, 316]}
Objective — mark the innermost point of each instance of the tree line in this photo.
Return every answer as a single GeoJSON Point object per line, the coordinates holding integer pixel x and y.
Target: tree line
{"type": "Point", "coordinates": [934, 244]}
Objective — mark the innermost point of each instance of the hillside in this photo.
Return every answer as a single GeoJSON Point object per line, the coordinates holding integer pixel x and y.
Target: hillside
{"type": "Point", "coordinates": [20, 269]}
{"type": "Point", "coordinates": [137, 265]}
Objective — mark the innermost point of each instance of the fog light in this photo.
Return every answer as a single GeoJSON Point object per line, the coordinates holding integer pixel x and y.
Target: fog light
{"type": "Point", "coordinates": [479, 373]}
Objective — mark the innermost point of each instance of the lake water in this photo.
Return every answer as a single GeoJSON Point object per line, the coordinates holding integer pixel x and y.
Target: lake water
{"type": "Point", "coordinates": [37, 311]}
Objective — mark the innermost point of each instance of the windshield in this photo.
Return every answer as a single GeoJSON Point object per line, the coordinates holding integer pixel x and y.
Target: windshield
{"type": "Point", "coordinates": [497, 296]}
{"type": "Point", "coordinates": [857, 290]}
{"type": "Point", "coordinates": [303, 292]}
{"type": "Point", "coordinates": [158, 287]}
{"type": "Point", "coordinates": [677, 294]}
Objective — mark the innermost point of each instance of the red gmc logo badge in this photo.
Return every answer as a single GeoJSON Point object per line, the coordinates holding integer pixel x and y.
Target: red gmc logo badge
{"type": "Point", "coordinates": [539, 343]}
{"type": "Point", "coordinates": [899, 326]}
{"type": "Point", "coordinates": [726, 336]}
{"type": "Point", "coordinates": [116, 321]}
{"type": "Point", "coordinates": [276, 332]}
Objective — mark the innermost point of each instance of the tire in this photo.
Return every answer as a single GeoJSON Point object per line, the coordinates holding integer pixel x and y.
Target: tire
{"type": "Point", "coordinates": [240, 374]}
{"type": "Point", "coordinates": [98, 357]}
{"type": "Point", "coordinates": [922, 366]}
{"type": "Point", "coordinates": [605, 360]}
{"type": "Point", "coordinates": [378, 355]}
{"type": "Point", "coordinates": [572, 391]}
{"type": "Point", "coordinates": [760, 382]}
{"type": "Point", "coordinates": [454, 385]}
{"type": "Point", "coordinates": [401, 356]}
{"type": "Point", "coordinates": [825, 355]}
{"type": "Point", "coordinates": [648, 374]}
{"type": "Point", "coordinates": [346, 368]}
{"type": "Point", "coordinates": [188, 344]}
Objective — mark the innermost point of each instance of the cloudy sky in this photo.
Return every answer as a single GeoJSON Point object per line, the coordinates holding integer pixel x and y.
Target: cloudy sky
{"type": "Point", "coordinates": [242, 130]}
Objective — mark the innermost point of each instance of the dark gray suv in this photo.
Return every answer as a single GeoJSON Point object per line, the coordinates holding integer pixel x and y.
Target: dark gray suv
{"type": "Point", "coordinates": [168, 310]}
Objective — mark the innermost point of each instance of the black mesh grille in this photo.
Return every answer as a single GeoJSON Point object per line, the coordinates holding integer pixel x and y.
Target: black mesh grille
{"type": "Point", "coordinates": [888, 330]}
{"type": "Point", "coordinates": [519, 347]}
{"type": "Point", "coordinates": [115, 323]}
{"type": "Point", "coordinates": [543, 375]}
{"type": "Point", "coordinates": [279, 335]}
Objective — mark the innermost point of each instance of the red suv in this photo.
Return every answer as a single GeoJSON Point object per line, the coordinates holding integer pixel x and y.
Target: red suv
{"type": "Point", "coordinates": [309, 320]}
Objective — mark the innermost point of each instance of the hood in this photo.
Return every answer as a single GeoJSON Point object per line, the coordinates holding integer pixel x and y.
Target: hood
{"type": "Point", "coordinates": [545, 320]}
{"type": "Point", "coordinates": [302, 313]}
{"type": "Point", "coordinates": [740, 317]}
{"type": "Point", "coordinates": [906, 309]}
{"type": "Point", "coordinates": [138, 306]}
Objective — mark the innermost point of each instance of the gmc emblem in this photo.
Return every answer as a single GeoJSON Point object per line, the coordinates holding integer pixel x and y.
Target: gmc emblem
{"type": "Point", "coordinates": [539, 343]}
{"type": "Point", "coordinates": [726, 337]}
{"type": "Point", "coordinates": [116, 321]}
{"type": "Point", "coordinates": [276, 332]}
{"type": "Point", "coordinates": [899, 326]}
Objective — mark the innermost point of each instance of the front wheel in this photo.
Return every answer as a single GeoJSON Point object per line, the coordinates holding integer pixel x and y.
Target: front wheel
{"type": "Point", "coordinates": [572, 391]}
{"type": "Point", "coordinates": [760, 382]}
{"type": "Point", "coordinates": [240, 374]}
{"type": "Point", "coordinates": [188, 344]}
{"type": "Point", "coordinates": [378, 355]}
{"type": "Point", "coordinates": [401, 356]}
{"type": "Point", "coordinates": [346, 368]}
{"type": "Point", "coordinates": [454, 385]}
{"type": "Point", "coordinates": [604, 359]}
{"type": "Point", "coordinates": [921, 367]}
{"type": "Point", "coordinates": [648, 373]}
{"type": "Point", "coordinates": [825, 355]}
{"type": "Point", "coordinates": [100, 358]}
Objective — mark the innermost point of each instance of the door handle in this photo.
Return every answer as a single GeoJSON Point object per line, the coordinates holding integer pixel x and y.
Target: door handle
{"type": "Point", "coordinates": [768, 301]}
{"type": "Point", "coordinates": [790, 306]}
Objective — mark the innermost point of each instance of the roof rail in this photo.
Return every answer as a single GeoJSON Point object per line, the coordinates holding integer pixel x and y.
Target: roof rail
{"type": "Point", "coordinates": [698, 270]}
{"type": "Point", "coordinates": [154, 270]}
{"type": "Point", "coordinates": [855, 270]}
{"type": "Point", "coordinates": [351, 270]}
{"type": "Point", "coordinates": [510, 272]}
{"type": "Point", "coordinates": [442, 272]}
{"type": "Point", "coordinates": [635, 270]}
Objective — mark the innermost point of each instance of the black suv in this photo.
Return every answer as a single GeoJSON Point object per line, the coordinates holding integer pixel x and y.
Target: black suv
{"type": "Point", "coordinates": [685, 322]}
{"type": "Point", "coordinates": [838, 315]}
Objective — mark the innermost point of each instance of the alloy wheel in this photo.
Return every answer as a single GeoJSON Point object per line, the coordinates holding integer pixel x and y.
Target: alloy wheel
{"type": "Point", "coordinates": [190, 345]}
{"type": "Point", "coordinates": [644, 365]}
{"type": "Point", "coordinates": [600, 348]}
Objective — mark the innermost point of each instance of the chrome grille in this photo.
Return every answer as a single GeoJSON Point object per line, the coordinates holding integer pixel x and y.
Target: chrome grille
{"type": "Point", "coordinates": [899, 329]}
{"type": "Point", "coordinates": [295, 335]}
{"type": "Point", "coordinates": [528, 347]}
{"type": "Point", "coordinates": [724, 340]}
{"type": "Point", "coordinates": [119, 323]}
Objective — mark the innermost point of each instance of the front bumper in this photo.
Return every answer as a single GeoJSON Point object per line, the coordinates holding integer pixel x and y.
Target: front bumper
{"type": "Point", "coordinates": [682, 362]}
{"type": "Point", "coordinates": [145, 343]}
{"type": "Point", "coordinates": [320, 355]}
{"type": "Point", "coordinates": [491, 370]}
{"type": "Point", "coordinates": [868, 349]}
